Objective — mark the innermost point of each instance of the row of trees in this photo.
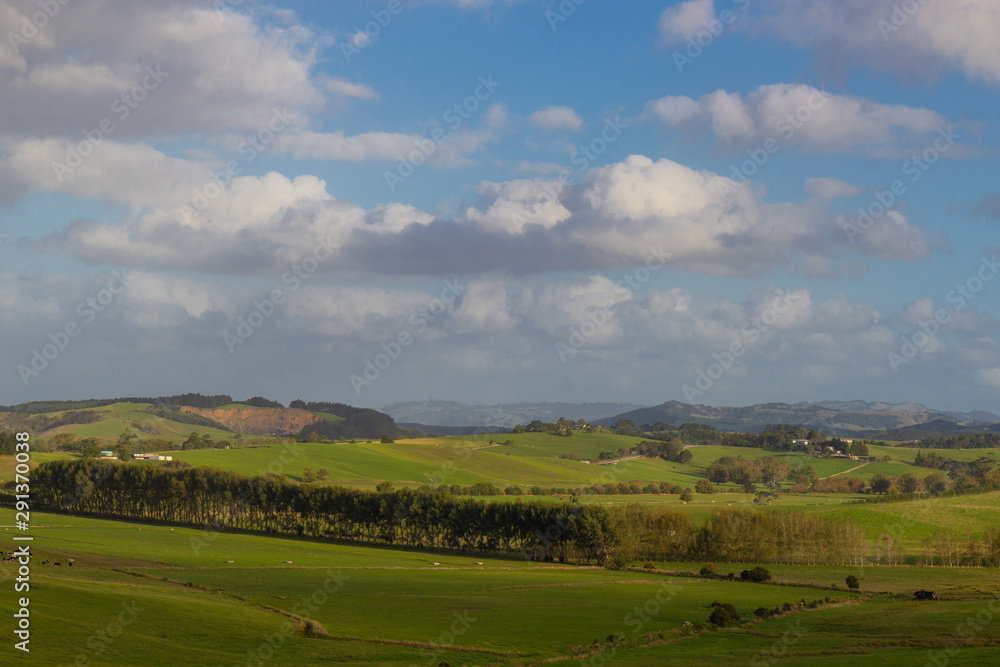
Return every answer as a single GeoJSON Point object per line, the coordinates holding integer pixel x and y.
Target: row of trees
{"type": "Point", "coordinates": [963, 441]}
{"type": "Point", "coordinates": [669, 450]}
{"type": "Point", "coordinates": [768, 470]}
{"type": "Point", "coordinates": [538, 531]}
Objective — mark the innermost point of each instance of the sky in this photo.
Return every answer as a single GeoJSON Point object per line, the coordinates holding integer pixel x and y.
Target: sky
{"type": "Point", "coordinates": [495, 201]}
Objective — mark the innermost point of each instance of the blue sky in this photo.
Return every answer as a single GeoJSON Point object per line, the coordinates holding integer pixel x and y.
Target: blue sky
{"type": "Point", "coordinates": [537, 256]}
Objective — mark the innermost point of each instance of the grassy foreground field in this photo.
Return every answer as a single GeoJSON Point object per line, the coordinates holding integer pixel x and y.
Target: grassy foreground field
{"type": "Point", "coordinates": [155, 595]}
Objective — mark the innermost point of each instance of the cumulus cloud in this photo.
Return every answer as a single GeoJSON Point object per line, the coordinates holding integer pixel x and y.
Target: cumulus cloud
{"type": "Point", "coordinates": [937, 37]}
{"type": "Point", "coordinates": [623, 214]}
{"type": "Point", "coordinates": [798, 114]}
{"type": "Point", "coordinates": [219, 70]}
{"type": "Point", "coordinates": [557, 118]}
{"type": "Point", "coordinates": [496, 116]}
{"type": "Point", "coordinates": [685, 20]}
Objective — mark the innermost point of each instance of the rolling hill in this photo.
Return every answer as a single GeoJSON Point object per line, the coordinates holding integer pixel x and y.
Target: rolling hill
{"type": "Point", "coordinates": [452, 413]}
{"type": "Point", "coordinates": [839, 418]}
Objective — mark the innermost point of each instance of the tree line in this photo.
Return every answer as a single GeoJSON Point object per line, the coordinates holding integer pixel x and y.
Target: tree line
{"type": "Point", "coordinates": [565, 531]}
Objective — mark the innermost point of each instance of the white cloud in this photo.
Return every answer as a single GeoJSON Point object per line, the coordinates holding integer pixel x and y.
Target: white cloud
{"type": "Point", "coordinates": [685, 20]}
{"type": "Point", "coordinates": [879, 34]}
{"type": "Point", "coordinates": [340, 86]}
{"type": "Point", "coordinates": [223, 71]}
{"type": "Point", "coordinates": [484, 309]}
{"type": "Point", "coordinates": [513, 205]}
{"type": "Point", "coordinates": [798, 114]}
{"type": "Point", "coordinates": [831, 188]}
{"type": "Point", "coordinates": [496, 116]}
{"type": "Point", "coordinates": [613, 218]}
{"type": "Point", "coordinates": [557, 118]}
{"type": "Point", "coordinates": [453, 151]}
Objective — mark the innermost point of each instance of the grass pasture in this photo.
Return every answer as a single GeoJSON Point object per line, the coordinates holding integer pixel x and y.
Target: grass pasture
{"type": "Point", "coordinates": [120, 417]}
{"type": "Point", "coordinates": [182, 601]}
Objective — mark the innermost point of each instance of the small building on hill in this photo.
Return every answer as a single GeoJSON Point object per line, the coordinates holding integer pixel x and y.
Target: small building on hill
{"type": "Point", "coordinates": [108, 455]}
{"type": "Point", "coordinates": [152, 457]}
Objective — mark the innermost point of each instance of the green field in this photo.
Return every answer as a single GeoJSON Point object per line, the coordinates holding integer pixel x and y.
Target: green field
{"type": "Point", "coordinates": [120, 417]}
{"type": "Point", "coordinates": [145, 594]}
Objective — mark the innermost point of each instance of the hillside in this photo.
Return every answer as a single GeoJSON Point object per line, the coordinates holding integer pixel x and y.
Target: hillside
{"type": "Point", "coordinates": [174, 418]}
{"type": "Point", "coordinates": [258, 421]}
{"type": "Point", "coordinates": [840, 418]}
{"type": "Point", "coordinates": [453, 413]}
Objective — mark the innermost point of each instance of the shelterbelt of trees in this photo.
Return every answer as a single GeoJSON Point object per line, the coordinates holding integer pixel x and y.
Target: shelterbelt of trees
{"type": "Point", "coordinates": [566, 531]}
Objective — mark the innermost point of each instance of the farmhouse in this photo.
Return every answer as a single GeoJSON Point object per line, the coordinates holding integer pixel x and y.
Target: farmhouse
{"type": "Point", "coordinates": [108, 455]}
{"type": "Point", "coordinates": [152, 457]}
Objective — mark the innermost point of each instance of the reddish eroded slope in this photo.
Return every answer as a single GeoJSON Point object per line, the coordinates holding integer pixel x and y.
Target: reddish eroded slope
{"type": "Point", "coordinates": [259, 421]}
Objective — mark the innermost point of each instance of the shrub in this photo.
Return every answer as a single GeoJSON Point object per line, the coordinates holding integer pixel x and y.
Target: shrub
{"type": "Point", "coordinates": [649, 566]}
{"type": "Point", "coordinates": [707, 571]}
{"type": "Point", "coordinates": [723, 615]}
{"type": "Point", "coordinates": [757, 574]}
{"type": "Point", "coordinates": [761, 612]}
{"type": "Point", "coordinates": [704, 486]}
{"type": "Point", "coordinates": [687, 496]}
{"type": "Point", "coordinates": [786, 607]}
{"type": "Point", "coordinates": [852, 582]}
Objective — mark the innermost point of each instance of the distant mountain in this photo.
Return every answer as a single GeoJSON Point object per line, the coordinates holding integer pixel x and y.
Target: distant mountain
{"type": "Point", "coordinates": [453, 413]}
{"type": "Point", "coordinates": [863, 406]}
{"type": "Point", "coordinates": [842, 418]}
{"type": "Point", "coordinates": [441, 431]}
